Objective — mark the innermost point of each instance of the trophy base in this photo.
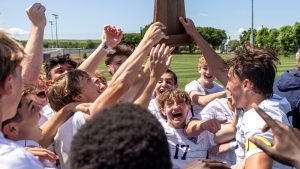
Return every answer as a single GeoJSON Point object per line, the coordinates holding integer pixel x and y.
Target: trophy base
{"type": "Point", "coordinates": [177, 40]}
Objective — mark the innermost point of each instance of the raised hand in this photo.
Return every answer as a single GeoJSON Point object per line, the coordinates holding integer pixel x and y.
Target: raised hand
{"type": "Point", "coordinates": [36, 14]}
{"type": "Point", "coordinates": [286, 146]}
{"type": "Point", "coordinates": [154, 33]}
{"type": "Point", "coordinates": [206, 164]}
{"type": "Point", "coordinates": [189, 26]}
{"type": "Point", "coordinates": [112, 35]}
{"type": "Point", "coordinates": [160, 59]}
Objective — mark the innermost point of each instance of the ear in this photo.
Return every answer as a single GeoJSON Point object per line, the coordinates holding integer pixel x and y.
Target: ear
{"type": "Point", "coordinates": [7, 84]}
{"type": "Point", "coordinates": [78, 98]}
{"type": "Point", "coordinates": [11, 131]}
{"type": "Point", "coordinates": [247, 84]}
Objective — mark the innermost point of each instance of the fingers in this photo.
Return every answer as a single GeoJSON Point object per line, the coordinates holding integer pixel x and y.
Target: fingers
{"type": "Point", "coordinates": [260, 144]}
{"type": "Point", "coordinates": [212, 125]}
{"type": "Point", "coordinates": [271, 123]}
{"type": "Point", "coordinates": [42, 153]}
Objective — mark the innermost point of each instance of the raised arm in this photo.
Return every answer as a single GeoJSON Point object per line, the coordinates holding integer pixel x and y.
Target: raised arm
{"type": "Point", "coordinates": [127, 73]}
{"type": "Point", "coordinates": [203, 100]}
{"type": "Point", "coordinates": [160, 60]}
{"type": "Point", "coordinates": [214, 61]}
{"type": "Point", "coordinates": [112, 36]}
{"type": "Point", "coordinates": [32, 62]}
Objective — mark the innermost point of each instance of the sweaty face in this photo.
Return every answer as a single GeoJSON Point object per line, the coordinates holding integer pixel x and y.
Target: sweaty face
{"type": "Point", "coordinates": [176, 113]}
{"type": "Point", "coordinates": [235, 89]}
{"type": "Point", "coordinates": [29, 126]}
{"type": "Point", "coordinates": [60, 69]}
{"type": "Point", "coordinates": [115, 64]}
{"type": "Point", "coordinates": [166, 82]}
{"type": "Point", "coordinates": [205, 76]}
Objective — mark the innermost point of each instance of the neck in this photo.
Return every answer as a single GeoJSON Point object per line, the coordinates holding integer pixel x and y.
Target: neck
{"type": "Point", "coordinates": [255, 98]}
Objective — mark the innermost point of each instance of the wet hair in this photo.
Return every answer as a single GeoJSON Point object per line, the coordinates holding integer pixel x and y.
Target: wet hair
{"type": "Point", "coordinates": [256, 65]}
{"type": "Point", "coordinates": [177, 94]}
{"type": "Point", "coordinates": [65, 88]}
{"type": "Point", "coordinates": [11, 55]}
{"type": "Point", "coordinates": [121, 137]}
{"type": "Point", "coordinates": [119, 50]}
{"type": "Point", "coordinates": [59, 60]}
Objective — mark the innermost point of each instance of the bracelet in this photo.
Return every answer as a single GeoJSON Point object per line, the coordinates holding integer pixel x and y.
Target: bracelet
{"type": "Point", "coordinates": [108, 49]}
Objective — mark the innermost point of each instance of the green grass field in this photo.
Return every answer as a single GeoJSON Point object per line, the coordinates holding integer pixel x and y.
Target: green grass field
{"type": "Point", "coordinates": [185, 66]}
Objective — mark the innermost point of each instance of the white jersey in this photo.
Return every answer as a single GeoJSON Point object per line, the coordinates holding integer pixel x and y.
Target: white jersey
{"type": "Point", "coordinates": [251, 124]}
{"type": "Point", "coordinates": [14, 157]}
{"type": "Point", "coordinates": [153, 108]}
{"type": "Point", "coordinates": [218, 109]}
{"type": "Point", "coordinates": [196, 86]}
{"type": "Point", "coordinates": [184, 150]}
{"type": "Point", "coordinates": [46, 113]}
{"type": "Point", "coordinates": [64, 137]}
{"type": "Point", "coordinates": [47, 164]}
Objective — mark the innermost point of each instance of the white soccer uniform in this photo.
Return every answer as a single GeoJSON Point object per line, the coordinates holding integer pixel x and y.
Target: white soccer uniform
{"type": "Point", "coordinates": [184, 150]}
{"type": "Point", "coordinates": [64, 137]}
{"type": "Point", "coordinates": [46, 113]}
{"type": "Point", "coordinates": [153, 108]}
{"type": "Point", "coordinates": [218, 109]}
{"type": "Point", "coordinates": [47, 164]}
{"type": "Point", "coordinates": [251, 124]}
{"type": "Point", "coordinates": [196, 86]}
{"type": "Point", "coordinates": [14, 157]}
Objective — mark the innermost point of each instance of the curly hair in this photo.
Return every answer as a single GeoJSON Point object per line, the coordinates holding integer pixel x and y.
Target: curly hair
{"type": "Point", "coordinates": [65, 59]}
{"type": "Point", "coordinates": [257, 65]}
{"type": "Point", "coordinates": [177, 94]}
{"type": "Point", "coordinates": [65, 88]}
{"type": "Point", "coordinates": [123, 136]}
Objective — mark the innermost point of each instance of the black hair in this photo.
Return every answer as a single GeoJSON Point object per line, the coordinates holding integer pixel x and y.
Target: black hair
{"type": "Point", "coordinates": [58, 60]}
{"type": "Point", "coordinates": [125, 136]}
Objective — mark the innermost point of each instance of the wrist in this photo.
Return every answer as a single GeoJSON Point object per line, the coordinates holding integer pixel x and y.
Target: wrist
{"type": "Point", "coordinates": [106, 48]}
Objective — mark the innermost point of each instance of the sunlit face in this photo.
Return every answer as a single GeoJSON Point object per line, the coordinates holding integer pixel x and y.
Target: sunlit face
{"type": "Point", "coordinates": [89, 90]}
{"type": "Point", "coordinates": [30, 113]}
{"type": "Point", "coordinates": [235, 90]}
{"type": "Point", "coordinates": [115, 64]}
{"type": "Point", "coordinates": [41, 96]}
{"type": "Point", "coordinates": [166, 82]}
{"type": "Point", "coordinates": [60, 69]}
{"type": "Point", "coordinates": [101, 85]}
{"type": "Point", "coordinates": [13, 100]}
{"type": "Point", "coordinates": [205, 76]}
{"type": "Point", "coordinates": [176, 113]}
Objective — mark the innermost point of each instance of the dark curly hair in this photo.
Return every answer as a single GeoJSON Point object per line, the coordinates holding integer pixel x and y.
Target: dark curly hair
{"type": "Point", "coordinates": [124, 136]}
{"type": "Point", "coordinates": [256, 64]}
{"type": "Point", "coordinates": [58, 60]}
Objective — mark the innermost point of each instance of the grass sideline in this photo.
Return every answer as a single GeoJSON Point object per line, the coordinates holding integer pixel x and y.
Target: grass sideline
{"type": "Point", "coordinates": [185, 66]}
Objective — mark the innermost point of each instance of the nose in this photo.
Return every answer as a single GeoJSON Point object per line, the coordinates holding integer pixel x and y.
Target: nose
{"type": "Point", "coordinates": [175, 106]}
{"type": "Point", "coordinates": [164, 83]}
{"type": "Point", "coordinates": [102, 87]}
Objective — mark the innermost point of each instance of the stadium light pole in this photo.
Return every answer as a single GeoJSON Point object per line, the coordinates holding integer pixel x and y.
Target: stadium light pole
{"type": "Point", "coordinates": [252, 35]}
{"type": "Point", "coordinates": [52, 43]}
{"type": "Point", "coordinates": [56, 17]}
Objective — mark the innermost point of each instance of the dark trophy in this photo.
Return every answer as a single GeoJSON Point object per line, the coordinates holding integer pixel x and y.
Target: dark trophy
{"type": "Point", "coordinates": [168, 13]}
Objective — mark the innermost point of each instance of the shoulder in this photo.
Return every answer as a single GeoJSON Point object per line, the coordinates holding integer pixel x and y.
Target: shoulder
{"type": "Point", "coordinates": [12, 156]}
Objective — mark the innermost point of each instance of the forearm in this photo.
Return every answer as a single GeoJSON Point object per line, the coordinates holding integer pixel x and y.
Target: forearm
{"type": "Point", "coordinates": [145, 97]}
{"type": "Point", "coordinates": [258, 160]}
{"type": "Point", "coordinates": [214, 61]}
{"type": "Point", "coordinates": [50, 127]}
{"type": "Point", "coordinates": [225, 134]}
{"type": "Point", "coordinates": [91, 64]}
{"type": "Point", "coordinates": [194, 128]}
{"type": "Point", "coordinates": [203, 100]}
{"type": "Point", "coordinates": [32, 62]}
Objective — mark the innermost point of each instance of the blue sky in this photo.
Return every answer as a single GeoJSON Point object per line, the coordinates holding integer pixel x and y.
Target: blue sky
{"type": "Point", "coordinates": [85, 19]}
